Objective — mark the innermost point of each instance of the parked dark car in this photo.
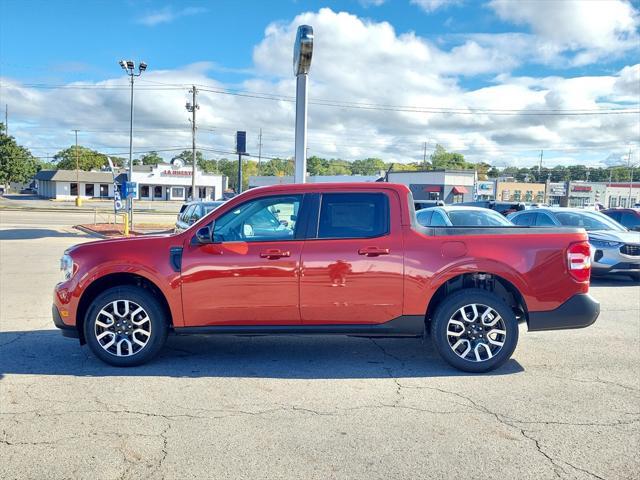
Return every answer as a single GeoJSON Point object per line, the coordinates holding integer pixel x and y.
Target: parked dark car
{"type": "Point", "coordinates": [455, 216]}
{"type": "Point", "coordinates": [505, 208]}
{"type": "Point", "coordinates": [614, 249]}
{"type": "Point", "coordinates": [191, 212]}
{"type": "Point", "coordinates": [629, 217]}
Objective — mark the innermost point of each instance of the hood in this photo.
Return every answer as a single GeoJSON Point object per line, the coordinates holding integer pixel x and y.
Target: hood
{"type": "Point", "coordinates": [124, 242]}
{"type": "Point", "coordinates": [613, 236]}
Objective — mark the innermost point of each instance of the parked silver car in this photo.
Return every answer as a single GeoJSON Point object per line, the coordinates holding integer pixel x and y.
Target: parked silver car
{"type": "Point", "coordinates": [614, 249]}
{"type": "Point", "coordinates": [191, 212]}
{"type": "Point", "coordinates": [455, 216]}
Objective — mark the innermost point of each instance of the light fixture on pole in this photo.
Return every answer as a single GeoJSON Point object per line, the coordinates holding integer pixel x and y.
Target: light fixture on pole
{"type": "Point", "coordinates": [302, 52]}
{"type": "Point", "coordinates": [129, 67]}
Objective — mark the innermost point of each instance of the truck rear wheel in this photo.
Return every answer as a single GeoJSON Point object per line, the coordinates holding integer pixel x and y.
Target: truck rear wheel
{"type": "Point", "coordinates": [125, 326]}
{"type": "Point", "coordinates": [474, 330]}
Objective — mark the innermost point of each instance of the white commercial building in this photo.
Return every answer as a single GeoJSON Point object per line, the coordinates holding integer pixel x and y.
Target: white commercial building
{"type": "Point", "coordinates": [451, 186]}
{"type": "Point", "coordinates": [164, 181]}
{"type": "Point", "coordinates": [63, 184]}
{"type": "Point", "coordinates": [172, 181]}
{"type": "Point", "coordinates": [266, 180]}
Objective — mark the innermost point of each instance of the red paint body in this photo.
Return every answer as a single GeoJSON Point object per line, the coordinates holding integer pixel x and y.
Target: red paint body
{"type": "Point", "coordinates": [324, 281]}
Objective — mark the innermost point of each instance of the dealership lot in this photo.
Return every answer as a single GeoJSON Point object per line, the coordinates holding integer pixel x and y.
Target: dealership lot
{"type": "Point", "coordinates": [566, 406]}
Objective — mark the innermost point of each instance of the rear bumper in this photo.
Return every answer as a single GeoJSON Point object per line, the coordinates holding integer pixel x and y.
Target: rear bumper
{"type": "Point", "coordinates": [579, 311]}
{"type": "Point", "coordinates": [66, 330]}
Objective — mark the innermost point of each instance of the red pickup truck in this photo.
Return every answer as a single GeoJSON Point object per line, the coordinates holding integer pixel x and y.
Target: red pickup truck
{"type": "Point", "coordinates": [326, 259]}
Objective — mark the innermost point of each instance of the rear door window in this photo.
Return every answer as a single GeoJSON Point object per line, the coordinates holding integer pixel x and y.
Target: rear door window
{"type": "Point", "coordinates": [424, 217]}
{"type": "Point", "coordinates": [353, 215]}
{"type": "Point", "coordinates": [525, 219]}
{"type": "Point", "coordinates": [438, 220]}
{"type": "Point", "coordinates": [544, 220]}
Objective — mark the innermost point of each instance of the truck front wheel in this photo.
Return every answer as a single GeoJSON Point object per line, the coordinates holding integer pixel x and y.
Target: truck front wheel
{"type": "Point", "coordinates": [474, 330]}
{"type": "Point", "coordinates": [125, 326]}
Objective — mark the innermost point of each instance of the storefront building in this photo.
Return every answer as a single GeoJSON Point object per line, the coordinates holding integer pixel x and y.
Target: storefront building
{"type": "Point", "coordinates": [451, 186]}
{"type": "Point", "coordinates": [66, 184]}
{"type": "Point", "coordinates": [622, 194]}
{"type": "Point", "coordinates": [172, 181]}
{"type": "Point", "coordinates": [586, 194]}
{"type": "Point", "coordinates": [520, 192]}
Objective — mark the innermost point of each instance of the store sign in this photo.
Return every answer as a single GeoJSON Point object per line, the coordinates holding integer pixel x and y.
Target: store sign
{"type": "Point", "coordinates": [557, 189]}
{"type": "Point", "coordinates": [581, 188]}
{"type": "Point", "coordinates": [176, 173]}
{"type": "Point", "coordinates": [118, 204]}
{"type": "Point", "coordinates": [485, 188]}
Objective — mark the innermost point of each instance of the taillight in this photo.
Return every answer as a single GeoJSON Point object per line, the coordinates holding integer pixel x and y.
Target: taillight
{"type": "Point", "coordinates": [579, 259]}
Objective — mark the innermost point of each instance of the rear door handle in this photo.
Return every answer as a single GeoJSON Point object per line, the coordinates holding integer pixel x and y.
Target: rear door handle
{"type": "Point", "coordinates": [274, 254]}
{"type": "Point", "coordinates": [373, 251]}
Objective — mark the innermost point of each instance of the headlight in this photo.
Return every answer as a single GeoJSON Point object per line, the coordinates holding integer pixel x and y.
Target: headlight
{"type": "Point", "coordinates": [66, 266]}
{"type": "Point", "coordinates": [604, 244]}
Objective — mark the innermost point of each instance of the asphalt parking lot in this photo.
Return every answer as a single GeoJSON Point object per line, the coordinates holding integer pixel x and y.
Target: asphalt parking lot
{"type": "Point", "coordinates": [566, 406]}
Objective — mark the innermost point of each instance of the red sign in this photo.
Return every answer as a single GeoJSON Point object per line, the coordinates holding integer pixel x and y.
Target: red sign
{"type": "Point", "coordinates": [581, 188]}
{"type": "Point", "coordinates": [177, 173]}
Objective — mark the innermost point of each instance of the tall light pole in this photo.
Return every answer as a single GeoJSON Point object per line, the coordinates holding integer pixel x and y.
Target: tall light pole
{"type": "Point", "coordinates": [192, 107]}
{"type": "Point", "coordinates": [78, 200]}
{"type": "Point", "coordinates": [302, 52]}
{"type": "Point", "coordinates": [129, 67]}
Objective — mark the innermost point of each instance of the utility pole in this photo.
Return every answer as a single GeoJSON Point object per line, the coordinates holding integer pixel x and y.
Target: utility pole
{"type": "Point", "coordinates": [78, 201]}
{"type": "Point", "coordinates": [424, 156]}
{"type": "Point", "coordinates": [540, 166]}
{"type": "Point", "coordinates": [260, 152]}
{"type": "Point", "coordinates": [192, 107]}
{"type": "Point", "coordinates": [630, 167]}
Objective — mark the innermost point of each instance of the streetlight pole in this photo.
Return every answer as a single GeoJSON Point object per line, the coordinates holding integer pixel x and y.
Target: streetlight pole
{"type": "Point", "coordinates": [78, 200]}
{"type": "Point", "coordinates": [129, 67]}
{"type": "Point", "coordinates": [302, 52]}
{"type": "Point", "coordinates": [192, 107]}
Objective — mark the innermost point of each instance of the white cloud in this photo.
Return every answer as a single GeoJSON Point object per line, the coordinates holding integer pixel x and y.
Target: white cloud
{"type": "Point", "coordinates": [371, 3]}
{"type": "Point", "coordinates": [588, 30]}
{"type": "Point", "coordinates": [360, 61]}
{"type": "Point", "coordinates": [432, 5]}
{"type": "Point", "coordinates": [168, 14]}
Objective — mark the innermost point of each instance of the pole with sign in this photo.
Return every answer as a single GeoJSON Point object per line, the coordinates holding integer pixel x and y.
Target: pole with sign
{"type": "Point", "coordinates": [241, 148]}
{"type": "Point", "coordinates": [302, 52]}
{"type": "Point", "coordinates": [117, 197]}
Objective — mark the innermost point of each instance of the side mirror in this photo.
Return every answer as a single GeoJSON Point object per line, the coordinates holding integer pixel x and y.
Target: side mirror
{"type": "Point", "coordinates": [204, 235]}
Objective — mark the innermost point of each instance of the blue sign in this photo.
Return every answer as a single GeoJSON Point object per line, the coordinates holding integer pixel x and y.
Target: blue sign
{"type": "Point", "coordinates": [129, 189]}
{"type": "Point", "coordinates": [241, 142]}
{"type": "Point", "coordinates": [118, 204]}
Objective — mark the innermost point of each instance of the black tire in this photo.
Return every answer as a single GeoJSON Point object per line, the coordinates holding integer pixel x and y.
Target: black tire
{"type": "Point", "coordinates": [452, 304]}
{"type": "Point", "coordinates": [157, 324]}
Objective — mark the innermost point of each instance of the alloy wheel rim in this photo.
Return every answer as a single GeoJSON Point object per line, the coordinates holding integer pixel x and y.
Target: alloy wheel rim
{"type": "Point", "coordinates": [122, 328]}
{"type": "Point", "coordinates": [476, 332]}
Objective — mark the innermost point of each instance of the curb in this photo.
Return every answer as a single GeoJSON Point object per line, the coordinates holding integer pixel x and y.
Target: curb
{"type": "Point", "coordinates": [89, 232]}
{"type": "Point", "coordinates": [68, 210]}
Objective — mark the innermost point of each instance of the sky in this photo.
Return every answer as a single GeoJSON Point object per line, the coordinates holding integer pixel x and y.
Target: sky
{"type": "Point", "coordinates": [498, 80]}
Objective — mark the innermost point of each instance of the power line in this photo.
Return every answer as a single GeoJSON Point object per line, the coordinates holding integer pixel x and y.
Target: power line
{"type": "Point", "coordinates": [466, 110]}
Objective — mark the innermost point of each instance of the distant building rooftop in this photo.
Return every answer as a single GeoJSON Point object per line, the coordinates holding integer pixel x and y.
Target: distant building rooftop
{"type": "Point", "coordinates": [73, 176]}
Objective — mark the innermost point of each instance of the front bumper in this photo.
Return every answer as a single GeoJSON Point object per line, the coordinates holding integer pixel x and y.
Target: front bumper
{"type": "Point", "coordinates": [579, 311]}
{"type": "Point", "coordinates": [612, 260]}
{"type": "Point", "coordinates": [67, 330]}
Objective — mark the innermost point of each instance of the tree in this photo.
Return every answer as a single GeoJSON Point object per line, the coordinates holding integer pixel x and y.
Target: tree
{"type": "Point", "coordinates": [317, 165]}
{"type": "Point", "coordinates": [441, 159]}
{"type": "Point", "coordinates": [367, 166]}
{"type": "Point", "coordinates": [16, 162]}
{"type": "Point", "coordinates": [278, 167]}
{"type": "Point", "coordinates": [151, 158]}
{"type": "Point", "coordinates": [87, 159]}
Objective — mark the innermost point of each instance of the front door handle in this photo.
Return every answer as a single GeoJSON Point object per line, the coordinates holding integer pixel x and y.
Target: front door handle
{"type": "Point", "coordinates": [274, 254]}
{"type": "Point", "coordinates": [373, 251]}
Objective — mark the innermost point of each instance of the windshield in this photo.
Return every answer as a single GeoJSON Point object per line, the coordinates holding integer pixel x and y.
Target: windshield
{"type": "Point", "coordinates": [477, 218]}
{"type": "Point", "coordinates": [589, 221]}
